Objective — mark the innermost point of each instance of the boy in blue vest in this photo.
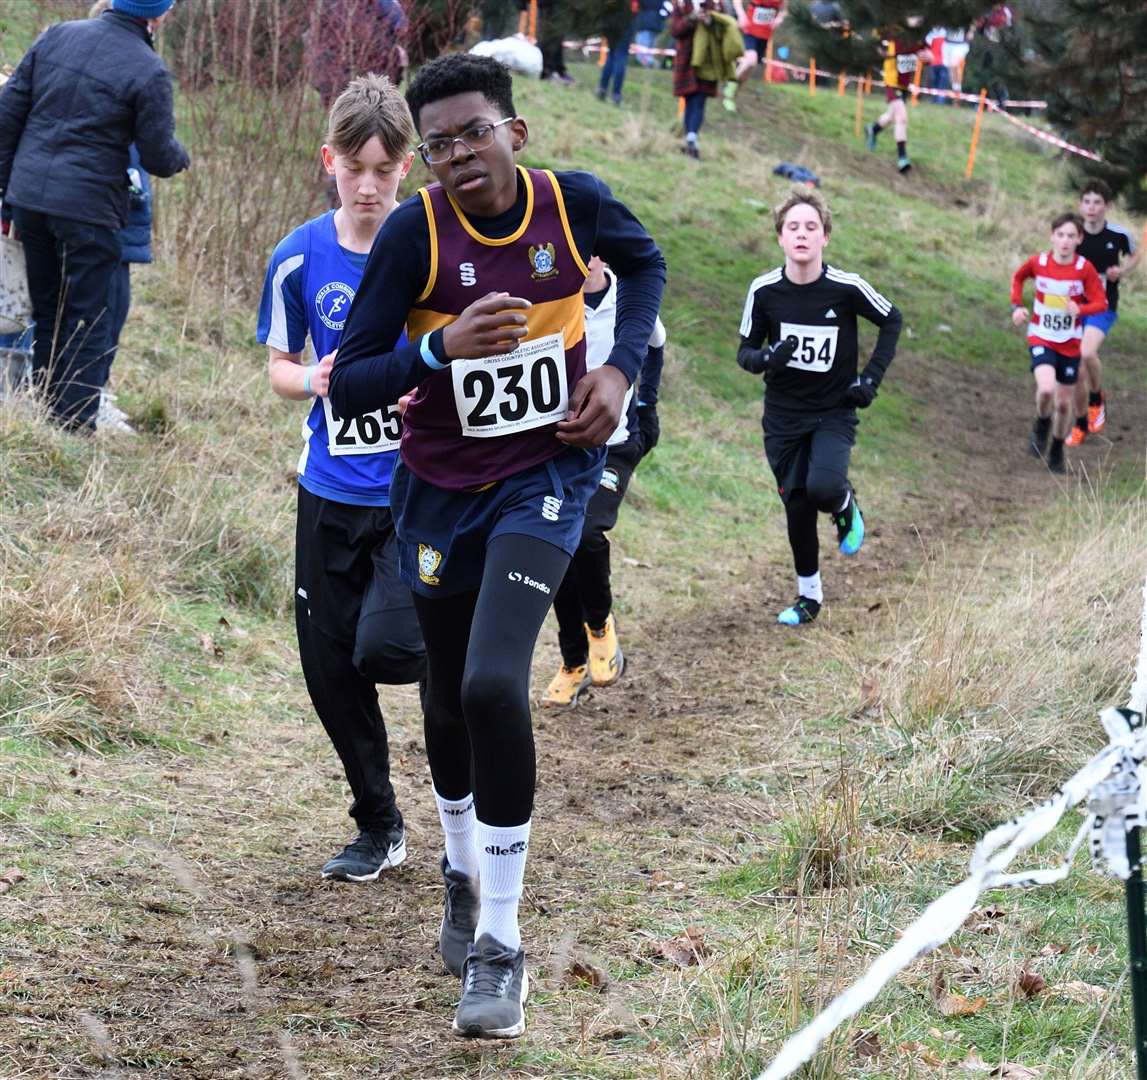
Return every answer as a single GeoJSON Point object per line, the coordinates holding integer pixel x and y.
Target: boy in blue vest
{"type": "Point", "coordinates": [354, 617]}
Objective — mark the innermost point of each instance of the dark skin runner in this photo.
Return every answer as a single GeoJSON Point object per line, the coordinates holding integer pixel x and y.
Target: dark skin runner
{"type": "Point", "coordinates": [484, 183]}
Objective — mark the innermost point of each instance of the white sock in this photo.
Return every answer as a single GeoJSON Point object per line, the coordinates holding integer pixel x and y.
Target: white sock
{"type": "Point", "coordinates": [502, 868]}
{"type": "Point", "coordinates": [458, 820]}
{"type": "Point", "coordinates": [691, 137]}
{"type": "Point", "coordinates": [809, 587]}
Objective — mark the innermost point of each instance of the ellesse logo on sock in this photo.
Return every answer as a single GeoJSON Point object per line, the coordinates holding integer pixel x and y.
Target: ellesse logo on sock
{"type": "Point", "coordinates": [516, 848]}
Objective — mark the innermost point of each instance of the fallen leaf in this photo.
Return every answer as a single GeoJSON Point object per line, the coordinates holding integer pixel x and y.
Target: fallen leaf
{"type": "Point", "coordinates": [581, 972]}
{"type": "Point", "coordinates": [983, 920]}
{"type": "Point", "coordinates": [931, 1059]}
{"type": "Point", "coordinates": [11, 876]}
{"type": "Point", "coordinates": [1081, 992]}
{"type": "Point", "coordinates": [685, 949]}
{"type": "Point", "coordinates": [867, 1045]}
{"type": "Point", "coordinates": [1052, 949]}
{"type": "Point", "coordinates": [1029, 983]}
{"type": "Point", "coordinates": [1010, 1071]}
{"type": "Point", "coordinates": [207, 645]}
{"type": "Point", "coordinates": [973, 1062]}
{"type": "Point", "coordinates": [951, 1004]}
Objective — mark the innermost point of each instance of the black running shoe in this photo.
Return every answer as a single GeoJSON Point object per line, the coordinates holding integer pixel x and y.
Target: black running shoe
{"type": "Point", "coordinates": [368, 854]}
{"type": "Point", "coordinates": [1055, 457]}
{"type": "Point", "coordinates": [849, 524]}
{"type": "Point", "coordinates": [494, 989]}
{"type": "Point", "coordinates": [803, 611]}
{"type": "Point", "coordinates": [459, 918]}
{"type": "Point", "coordinates": [1037, 444]}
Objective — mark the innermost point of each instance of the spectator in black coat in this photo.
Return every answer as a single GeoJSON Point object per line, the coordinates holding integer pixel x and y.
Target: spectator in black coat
{"type": "Point", "coordinates": [79, 98]}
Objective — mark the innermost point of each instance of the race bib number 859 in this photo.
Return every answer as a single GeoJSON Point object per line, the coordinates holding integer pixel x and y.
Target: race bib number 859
{"type": "Point", "coordinates": [372, 433]}
{"type": "Point", "coordinates": [816, 346]}
{"type": "Point", "coordinates": [502, 395]}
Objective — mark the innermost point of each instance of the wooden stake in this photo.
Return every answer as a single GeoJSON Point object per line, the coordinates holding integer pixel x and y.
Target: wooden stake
{"type": "Point", "coordinates": [812, 75]}
{"type": "Point", "coordinates": [868, 83]}
{"type": "Point", "coordinates": [769, 60]}
{"type": "Point", "coordinates": [859, 105]}
{"type": "Point", "coordinates": [916, 82]}
{"type": "Point", "coordinates": [976, 134]}
{"type": "Point", "coordinates": [534, 20]}
{"type": "Point", "coordinates": [840, 84]}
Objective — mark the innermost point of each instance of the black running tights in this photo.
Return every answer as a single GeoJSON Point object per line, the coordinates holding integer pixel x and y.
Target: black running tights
{"type": "Point", "coordinates": [479, 736]}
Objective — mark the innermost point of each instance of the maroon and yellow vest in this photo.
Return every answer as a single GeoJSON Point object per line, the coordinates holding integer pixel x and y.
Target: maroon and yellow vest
{"type": "Point", "coordinates": [479, 421]}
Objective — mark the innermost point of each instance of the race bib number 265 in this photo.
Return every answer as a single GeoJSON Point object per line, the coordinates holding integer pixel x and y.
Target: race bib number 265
{"type": "Point", "coordinates": [502, 395]}
{"type": "Point", "coordinates": [372, 433]}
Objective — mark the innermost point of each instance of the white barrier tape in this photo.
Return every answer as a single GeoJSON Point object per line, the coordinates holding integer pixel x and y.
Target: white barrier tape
{"type": "Point", "coordinates": [955, 95]}
{"type": "Point", "coordinates": [1046, 137]}
{"type": "Point", "coordinates": [1115, 783]}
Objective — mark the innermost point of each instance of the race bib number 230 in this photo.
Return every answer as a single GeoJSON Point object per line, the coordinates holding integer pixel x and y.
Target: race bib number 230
{"type": "Point", "coordinates": [503, 395]}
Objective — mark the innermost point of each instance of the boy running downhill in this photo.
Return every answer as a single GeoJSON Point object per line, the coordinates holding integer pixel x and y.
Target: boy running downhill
{"type": "Point", "coordinates": [901, 56]}
{"type": "Point", "coordinates": [354, 617]}
{"type": "Point", "coordinates": [587, 632]}
{"type": "Point", "coordinates": [1104, 244]}
{"type": "Point", "coordinates": [502, 447]}
{"type": "Point", "coordinates": [799, 331]}
{"type": "Point", "coordinates": [1063, 278]}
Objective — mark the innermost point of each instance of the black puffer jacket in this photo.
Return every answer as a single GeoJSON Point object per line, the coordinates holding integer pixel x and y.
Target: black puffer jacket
{"type": "Point", "coordinates": [82, 94]}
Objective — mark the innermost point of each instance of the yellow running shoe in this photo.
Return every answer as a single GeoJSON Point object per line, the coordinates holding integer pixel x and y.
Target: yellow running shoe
{"type": "Point", "coordinates": [565, 687]}
{"type": "Point", "coordinates": [606, 663]}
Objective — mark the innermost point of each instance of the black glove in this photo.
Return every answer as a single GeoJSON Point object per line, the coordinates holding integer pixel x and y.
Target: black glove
{"type": "Point", "coordinates": [649, 427]}
{"type": "Point", "coordinates": [861, 393]}
{"type": "Point", "coordinates": [768, 361]}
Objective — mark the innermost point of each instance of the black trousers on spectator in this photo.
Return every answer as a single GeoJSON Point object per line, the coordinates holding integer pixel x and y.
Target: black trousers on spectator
{"type": "Point", "coordinates": [69, 266]}
{"type": "Point", "coordinates": [357, 626]}
{"type": "Point", "coordinates": [585, 597]}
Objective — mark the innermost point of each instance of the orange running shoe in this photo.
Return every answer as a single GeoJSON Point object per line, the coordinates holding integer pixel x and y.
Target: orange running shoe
{"type": "Point", "coordinates": [1097, 415]}
{"type": "Point", "coordinates": [1077, 436]}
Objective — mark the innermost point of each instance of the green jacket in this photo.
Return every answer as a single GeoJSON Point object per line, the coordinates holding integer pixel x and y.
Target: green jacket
{"type": "Point", "coordinates": [716, 48]}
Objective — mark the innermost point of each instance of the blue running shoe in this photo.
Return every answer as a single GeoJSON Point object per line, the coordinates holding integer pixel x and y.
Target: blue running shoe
{"type": "Point", "coordinates": [803, 611]}
{"type": "Point", "coordinates": [849, 527]}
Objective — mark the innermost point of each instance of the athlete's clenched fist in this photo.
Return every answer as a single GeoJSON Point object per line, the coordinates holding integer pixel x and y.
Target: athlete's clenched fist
{"type": "Point", "coordinates": [491, 326]}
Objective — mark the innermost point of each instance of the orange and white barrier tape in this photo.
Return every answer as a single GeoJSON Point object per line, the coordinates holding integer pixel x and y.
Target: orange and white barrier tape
{"type": "Point", "coordinates": [1045, 136]}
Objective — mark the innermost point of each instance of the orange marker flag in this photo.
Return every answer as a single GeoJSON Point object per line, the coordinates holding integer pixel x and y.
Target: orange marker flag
{"type": "Point", "coordinates": [976, 134]}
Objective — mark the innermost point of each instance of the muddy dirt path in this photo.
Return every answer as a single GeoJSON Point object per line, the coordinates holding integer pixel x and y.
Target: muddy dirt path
{"type": "Point", "coordinates": [204, 945]}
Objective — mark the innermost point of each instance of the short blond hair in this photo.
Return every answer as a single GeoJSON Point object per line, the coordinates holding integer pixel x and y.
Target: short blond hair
{"type": "Point", "coordinates": [807, 197]}
{"type": "Point", "coordinates": [98, 8]}
{"type": "Point", "coordinates": [370, 105]}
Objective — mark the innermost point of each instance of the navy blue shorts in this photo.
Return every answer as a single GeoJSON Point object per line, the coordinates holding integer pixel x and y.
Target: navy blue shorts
{"type": "Point", "coordinates": [1066, 367]}
{"type": "Point", "coordinates": [442, 535]}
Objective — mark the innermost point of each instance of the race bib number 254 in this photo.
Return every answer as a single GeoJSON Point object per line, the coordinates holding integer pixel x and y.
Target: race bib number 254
{"type": "Point", "coordinates": [816, 346]}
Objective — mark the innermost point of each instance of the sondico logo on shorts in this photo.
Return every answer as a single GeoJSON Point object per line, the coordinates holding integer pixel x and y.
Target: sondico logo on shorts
{"type": "Point", "coordinates": [333, 302]}
{"type": "Point", "coordinates": [429, 559]}
{"type": "Point", "coordinates": [525, 579]}
{"type": "Point", "coordinates": [551, 507]}
{"type": "Point", "coordinates": [516, 848]}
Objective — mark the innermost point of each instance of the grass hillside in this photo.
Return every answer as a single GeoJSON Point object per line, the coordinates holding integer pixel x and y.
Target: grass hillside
{"type": "Point", "coordinates": [793, 798]}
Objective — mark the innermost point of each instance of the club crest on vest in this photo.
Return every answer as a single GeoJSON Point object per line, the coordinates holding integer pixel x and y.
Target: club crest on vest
{"type": "Point", "coordinates": [429, 559]}
{"type": "Point", "coordinates": [543, 259]}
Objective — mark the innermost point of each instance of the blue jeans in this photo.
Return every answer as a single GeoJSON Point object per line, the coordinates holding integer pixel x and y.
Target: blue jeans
{"type": "Point", "coordinates": [615, 63]}
{"type": "Point", "coordinates": [69, 264]}
{"type": "Point", "coordinates": [645, 40]}
{"type": "Point", "coordinates": [939, 78]}
{"type": "Point", "coordinates": [694, 112]}
{"type": "Point", "coordinates": [119, 300]}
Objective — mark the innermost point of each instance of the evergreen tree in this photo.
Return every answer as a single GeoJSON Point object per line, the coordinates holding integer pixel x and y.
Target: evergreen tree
{"type": "Point", "coordinates": [1088, 59]}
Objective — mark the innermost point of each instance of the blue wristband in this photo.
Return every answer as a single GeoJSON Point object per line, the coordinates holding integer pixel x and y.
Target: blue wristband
{"type": "Point", "coordinates": [307, 383]}
{"type": "Point", "coordinates": [427, 353]}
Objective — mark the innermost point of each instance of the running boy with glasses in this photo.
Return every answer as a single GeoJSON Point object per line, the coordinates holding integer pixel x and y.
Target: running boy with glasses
{"type": "Point", "coordinates": [502, 447]}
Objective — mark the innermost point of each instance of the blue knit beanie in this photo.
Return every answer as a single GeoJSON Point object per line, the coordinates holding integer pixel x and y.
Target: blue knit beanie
{"type": "Point", "coordinates": [142, 9]}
